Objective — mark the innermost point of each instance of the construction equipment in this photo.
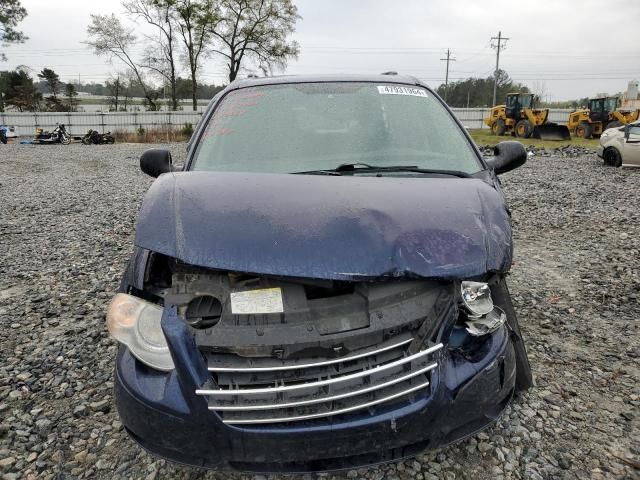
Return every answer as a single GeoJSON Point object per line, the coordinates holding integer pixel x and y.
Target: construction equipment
{"type": "Point", "coordinates": [519, 117]}
{"type": "Point", "coordinates": [602, 114]}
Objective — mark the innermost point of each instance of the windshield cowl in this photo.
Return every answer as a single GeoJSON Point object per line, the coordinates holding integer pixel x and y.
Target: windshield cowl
{"type": "Point", "coordinates": [363, 168]}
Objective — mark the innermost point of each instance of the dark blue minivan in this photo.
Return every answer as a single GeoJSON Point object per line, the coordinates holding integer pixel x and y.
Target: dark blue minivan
{"type": "Point", "coordinates": [322, 284]}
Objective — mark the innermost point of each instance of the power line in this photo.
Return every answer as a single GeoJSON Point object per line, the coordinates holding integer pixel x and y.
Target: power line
{"type": "Point", "coordinates": [446, 78]}
{"type": "Point", "coordinates": [498, 46]}
{"type": "Point", "coordinates": [520, 79]}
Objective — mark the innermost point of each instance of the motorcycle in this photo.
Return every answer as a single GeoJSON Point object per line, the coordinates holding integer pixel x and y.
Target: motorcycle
{"type": "Point", "coordinates": [96, 138]}
{"type": "Point", "coordinates": [57, 135]}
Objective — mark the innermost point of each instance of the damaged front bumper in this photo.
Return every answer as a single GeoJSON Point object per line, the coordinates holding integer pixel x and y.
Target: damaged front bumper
{"type": "Point", "coordinates": [467, 391]}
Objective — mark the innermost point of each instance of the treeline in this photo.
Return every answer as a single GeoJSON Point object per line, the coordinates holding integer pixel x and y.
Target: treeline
{"type": "Point", "coordinates": [119, 92]}
{"type": "Point", "coordinates": [478, 92]}
{"type": "Point", "coordinates": [573, 104]}
{"type": "Point", "coordinates": [47, 93]}
{"type": "Point", "coordinates": [18, 90]}
{"type": "Point", "coordinates": [133, 89]}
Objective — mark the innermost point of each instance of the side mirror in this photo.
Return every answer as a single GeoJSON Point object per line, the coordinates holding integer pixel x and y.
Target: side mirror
{"type": "Point", "coordinates": [155, 162]}
{"type": "Point", "coordinates": [627, 131]}
{"type": "Point", "coordinates": [507, 156]}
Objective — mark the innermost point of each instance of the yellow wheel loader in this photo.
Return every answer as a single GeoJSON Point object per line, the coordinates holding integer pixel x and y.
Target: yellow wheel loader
{"type": "Point", "coordinates": [519, 117]}
{"type": "Point", "coordinates": [601, 115]}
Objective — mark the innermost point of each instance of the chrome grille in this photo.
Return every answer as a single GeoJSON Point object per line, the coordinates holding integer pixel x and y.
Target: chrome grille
{"type": "Point", "coordinates": [262, 391]}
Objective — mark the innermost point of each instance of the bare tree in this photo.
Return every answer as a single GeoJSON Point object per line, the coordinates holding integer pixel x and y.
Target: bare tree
{"type": "Point", "coordinates": [195, 19]}
{"type": "Point", "coordinates": [109, 37]}
{"type": "Point", "coordinates": [115, 88]}
{"type": "Point", "coordinates": [160, 55]}
{"type": "Point", "coordinates": [539, 88]}
{"type": "Point", "coordinates": [256, 30]}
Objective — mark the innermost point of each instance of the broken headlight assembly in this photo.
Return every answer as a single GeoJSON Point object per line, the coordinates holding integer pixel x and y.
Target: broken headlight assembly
{"type": "Point", "coordinates": [136, 323]}
{"type": "Point", "coordinates": [482, 316]}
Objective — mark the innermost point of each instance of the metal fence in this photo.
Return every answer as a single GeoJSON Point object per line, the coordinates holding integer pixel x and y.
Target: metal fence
{"type": "Point", "coordinates": [78, 123]}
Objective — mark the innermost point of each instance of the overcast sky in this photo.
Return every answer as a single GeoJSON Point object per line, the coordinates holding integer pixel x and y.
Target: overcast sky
{"type": "Point", "coordinates": [563, 49]}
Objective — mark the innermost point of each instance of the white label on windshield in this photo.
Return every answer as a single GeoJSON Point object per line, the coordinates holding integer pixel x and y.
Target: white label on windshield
{"type": "Point", "coordinates": [265, 300]}
{"type": "Point", "coordinates": [400, 90]}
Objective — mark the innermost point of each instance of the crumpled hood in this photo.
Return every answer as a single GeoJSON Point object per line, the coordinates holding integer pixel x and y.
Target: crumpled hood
{"type": "Point", "coordinates": [341, 228]}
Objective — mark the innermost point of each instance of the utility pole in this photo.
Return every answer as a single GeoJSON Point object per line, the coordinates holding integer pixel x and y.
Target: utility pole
{"type": "Point", "coordinates": [446, 78]}
{"type": "Point", "coordinates": [498, 46]}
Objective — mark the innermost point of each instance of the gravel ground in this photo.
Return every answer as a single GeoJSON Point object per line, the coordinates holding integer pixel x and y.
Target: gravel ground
{"type": "Point", "coordinates": [66, 228]}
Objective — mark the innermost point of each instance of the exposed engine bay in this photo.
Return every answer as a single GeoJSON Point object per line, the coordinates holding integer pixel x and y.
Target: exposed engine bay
{"type": "Point", "coordinates": [319, 317]}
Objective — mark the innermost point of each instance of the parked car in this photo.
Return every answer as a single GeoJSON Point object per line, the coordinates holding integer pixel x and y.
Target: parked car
{"type": "Point", "coordinates": [620, 147]}
{"type": "Point", "coordinates": [322, 285]}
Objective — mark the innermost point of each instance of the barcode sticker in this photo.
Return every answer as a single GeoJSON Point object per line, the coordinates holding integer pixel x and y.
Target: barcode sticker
{"type": "Point", "coordinates": [401, 90]}
{"type": "Point", "coordinates": [250, 302]}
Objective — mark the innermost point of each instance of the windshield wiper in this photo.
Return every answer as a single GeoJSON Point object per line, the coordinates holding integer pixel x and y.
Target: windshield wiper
{"type": "Point", "coordinates": [351, 168]}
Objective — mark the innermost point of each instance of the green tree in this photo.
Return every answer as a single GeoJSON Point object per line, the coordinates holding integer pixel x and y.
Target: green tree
{"type": "Point", "coordinates": [478, 92]}
{"type": "Point", "coordinates": [20, 91]}
{"type": "Point", "coordinates": [208, 91]}
{"type": "Point", "coordinates": [54, 86]}
{"type": "Point", "coordinates": [52, 79]}
{"type": "Point", "coordinates": [183, 88]}
{"type": "Point", "coordinates": [70, 93]}
{"type": "Point", "coordinates": [11, 13]}
{"type": "Point", "coordinates": [257, 30]}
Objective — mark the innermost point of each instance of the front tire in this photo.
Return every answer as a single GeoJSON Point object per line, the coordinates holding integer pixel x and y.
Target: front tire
{"type": "Point", "coordinates": [502, 298]}
{"type": "Point", "coordinates": [611, 157]}
{"type": "Point", "coordinates": [66, 140]}
{"type": "Point", "coordinates": [498, 127]}
{"type": "Point", "coordinates": [523, 129]}
{"type": "Point", "coordinates": [584, 130]}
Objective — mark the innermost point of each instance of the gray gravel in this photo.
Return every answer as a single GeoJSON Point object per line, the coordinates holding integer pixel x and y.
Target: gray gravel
{"type": "Point", "coordinates": [570, 151]}
{"type": "Point", "coordinates": [66, 226]}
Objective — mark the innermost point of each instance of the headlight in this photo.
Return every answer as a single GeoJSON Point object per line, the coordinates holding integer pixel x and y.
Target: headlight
{"type": "Point", "coordinates": [483, 317]}
{"type": "Point", "coordinates": [486, 324]}
{"type": "Point", "coordinates": [136, 324]}
{"type": "Point", "coordinates": [476, 297]}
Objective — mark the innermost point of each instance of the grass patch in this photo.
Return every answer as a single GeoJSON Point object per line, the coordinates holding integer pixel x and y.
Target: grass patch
{"type": "Point", "coordinates": [156, 135]}
{"type": "Point", "coordinates": [484, 137]}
